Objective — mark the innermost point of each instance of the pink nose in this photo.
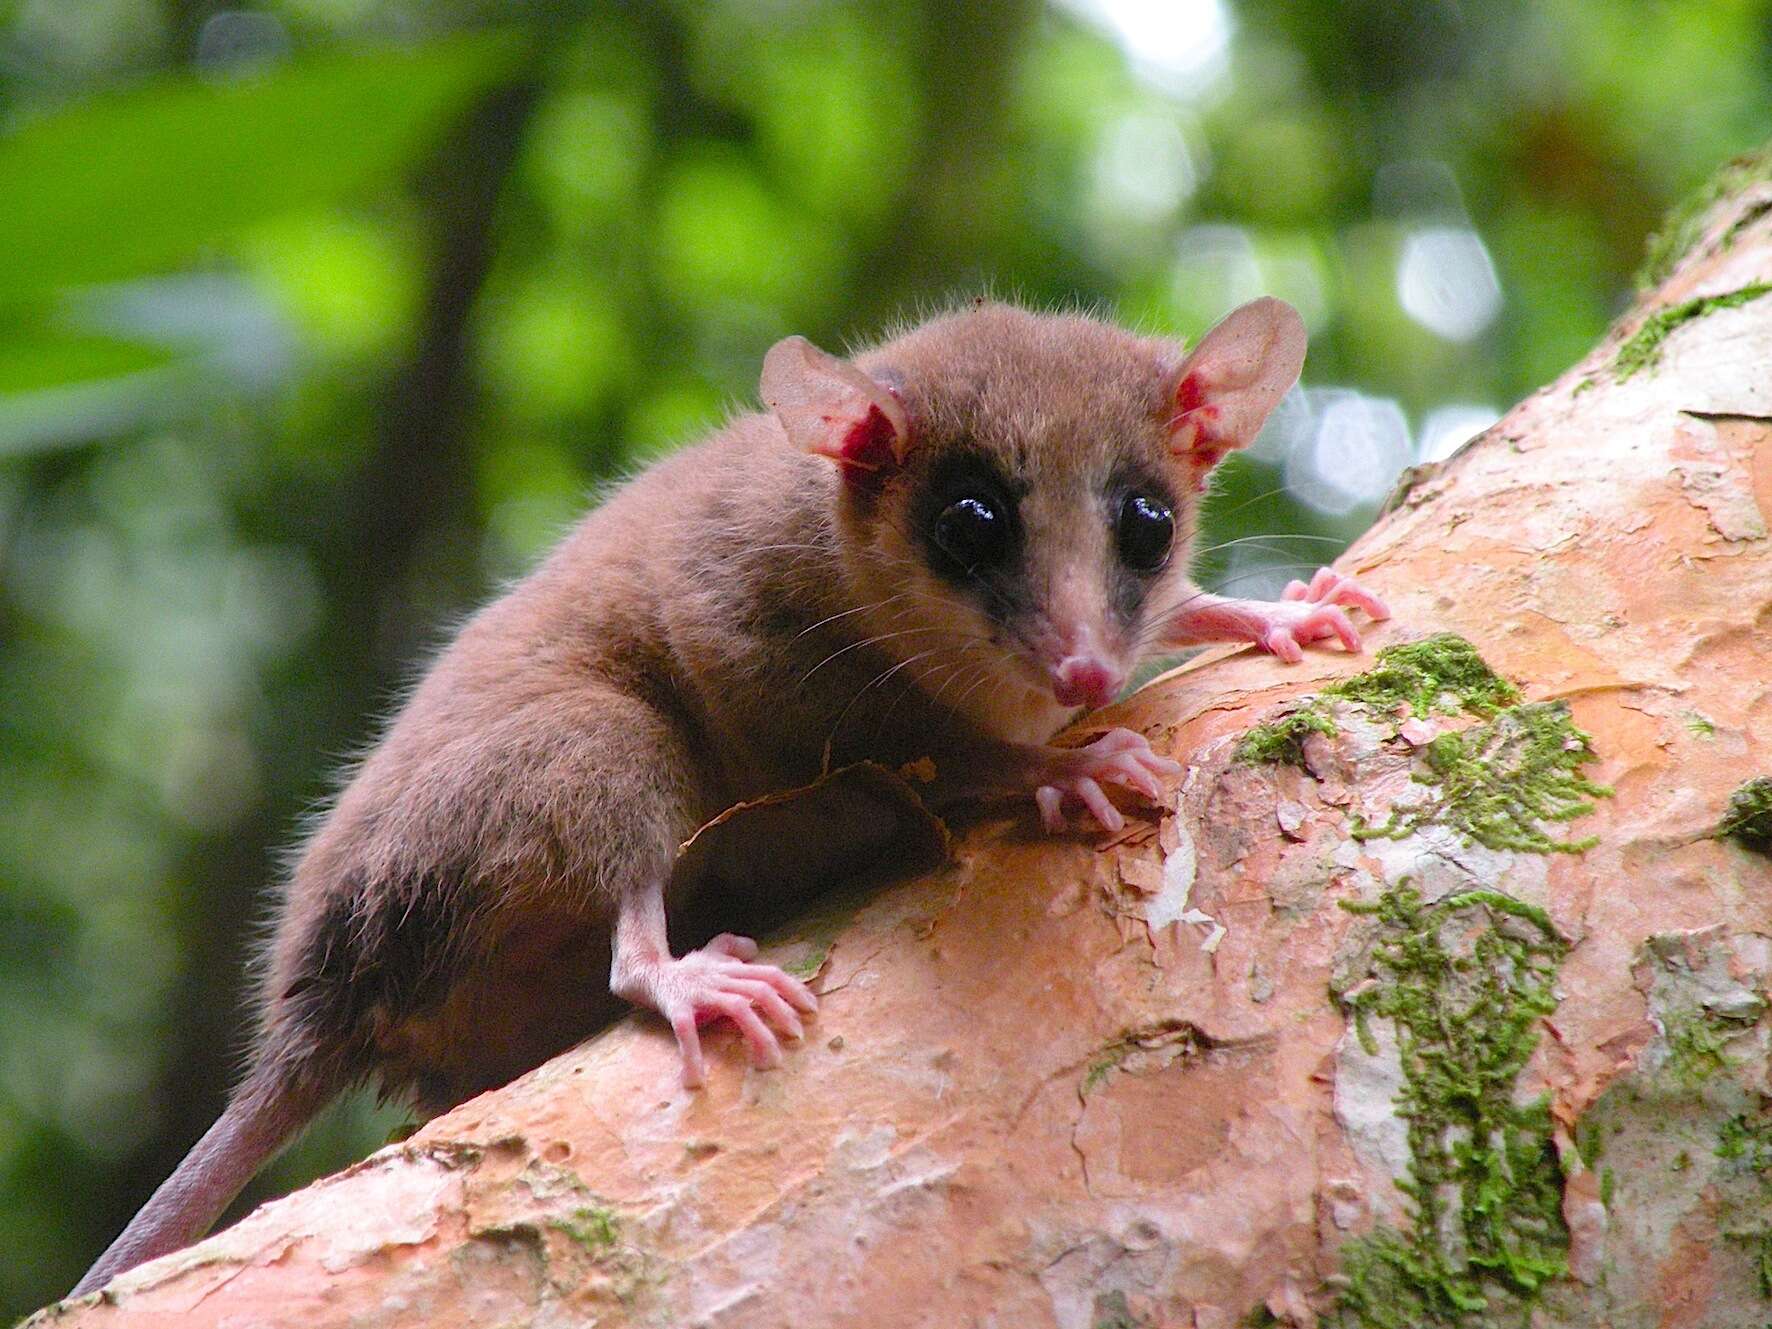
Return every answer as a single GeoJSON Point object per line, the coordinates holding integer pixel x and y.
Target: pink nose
{"type": "Point", "coordinates": [1083, 680]}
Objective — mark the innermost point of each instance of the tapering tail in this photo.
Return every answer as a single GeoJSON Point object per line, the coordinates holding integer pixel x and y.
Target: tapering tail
{"type": "Point", "coordinates": [267, 1111]}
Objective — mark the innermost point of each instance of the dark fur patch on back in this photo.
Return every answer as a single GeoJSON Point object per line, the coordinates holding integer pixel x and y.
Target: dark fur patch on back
{"type": "Point", "coordinates": [379, 955]}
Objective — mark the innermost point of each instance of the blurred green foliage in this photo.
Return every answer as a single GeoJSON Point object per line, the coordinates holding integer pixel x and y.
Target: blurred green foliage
{"type": "Point", "coordinates": [319, 318]}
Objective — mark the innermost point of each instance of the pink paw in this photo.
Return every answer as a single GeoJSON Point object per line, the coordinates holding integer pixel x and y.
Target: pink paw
{"type": "Point", "coordinates": [1119, 757]}
{"type": "Point", "coordinates": [1307, 613]}
{"type": "Point", "coordinates": [720, 982]}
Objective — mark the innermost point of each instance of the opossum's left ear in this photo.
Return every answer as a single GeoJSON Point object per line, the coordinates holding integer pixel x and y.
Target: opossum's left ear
{"type": "Point", "coordinates": [830, 407]}
{"type": "Point", "coordinates": [1219, 396]}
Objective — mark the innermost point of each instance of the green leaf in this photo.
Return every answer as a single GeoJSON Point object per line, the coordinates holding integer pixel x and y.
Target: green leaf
{"type": "Point", "coordinates": [137, 181]}
{"type": "Point", "coordinates": [34, 358]}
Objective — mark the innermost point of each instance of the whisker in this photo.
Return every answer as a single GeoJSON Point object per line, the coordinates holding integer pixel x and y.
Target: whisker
{"type": "Point", "coordinates": [963, 649]}
{"type": "Point", "coordinates": [984, 676]}
{"type": "Point", "coordinates": [1268, 540]}
{"type": "Point", "coordinates": [879, 678]}
{"type": "Point", "coordinates": [1209, 506]}
{"type": "Point", "coordinates": [959, 671]}
{"type": "Point", "coordinates": [845, 613]}
{"type": "Point", "coordinates": [865, 641]}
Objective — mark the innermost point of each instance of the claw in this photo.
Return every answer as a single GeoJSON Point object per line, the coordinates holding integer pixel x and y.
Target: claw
{"type": "Point", "coordinates": [1118, 757]}
{"type": "Point", "coordinates": [1310, 612]}
{"type": "Point", "coordinates": [717, 982]}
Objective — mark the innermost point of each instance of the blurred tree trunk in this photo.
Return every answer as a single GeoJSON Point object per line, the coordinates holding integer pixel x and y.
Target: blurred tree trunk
{"type": "Point", "coordinates": [409, 499]}
{"type": "Point", "coordinates": [1172, 1080]}
{"type": "Point", "coordinates": [942, 237]}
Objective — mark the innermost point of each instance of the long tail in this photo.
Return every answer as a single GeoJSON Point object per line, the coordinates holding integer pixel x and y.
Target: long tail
{"type": "Point", "coordinates": [267, 1111]}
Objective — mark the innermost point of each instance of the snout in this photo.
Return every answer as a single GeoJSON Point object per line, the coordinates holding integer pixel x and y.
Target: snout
{"type": "Point", "coordinates": [1086, 680]}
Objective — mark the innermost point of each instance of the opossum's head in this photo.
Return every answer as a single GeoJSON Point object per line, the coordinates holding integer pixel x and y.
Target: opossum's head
{"type": "Point", "coordinates": [1020, 491]}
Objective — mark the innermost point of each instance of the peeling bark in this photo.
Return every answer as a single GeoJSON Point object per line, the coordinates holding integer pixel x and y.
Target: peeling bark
{"type": "Point", "coordinates": [1445, 1007]}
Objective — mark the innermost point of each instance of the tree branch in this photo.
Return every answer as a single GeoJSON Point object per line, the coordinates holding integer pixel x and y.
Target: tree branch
{"type": "Point", "coordinates": [1172, 1080]}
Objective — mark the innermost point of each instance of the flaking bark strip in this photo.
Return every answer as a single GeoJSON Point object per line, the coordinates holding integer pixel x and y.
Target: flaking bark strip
{"type": "Point", "coordinates": [1167, 1041]}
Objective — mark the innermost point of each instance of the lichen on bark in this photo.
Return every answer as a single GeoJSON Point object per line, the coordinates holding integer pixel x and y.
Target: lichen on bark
{"type": "Point", "coordinates": [1685, 1131]}
{"type": "Point", "coordinates": [1744, 1151]}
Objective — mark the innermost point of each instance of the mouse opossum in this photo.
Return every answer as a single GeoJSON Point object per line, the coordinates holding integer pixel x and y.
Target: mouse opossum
{"type": "Point", "coordinates": [944, 548]}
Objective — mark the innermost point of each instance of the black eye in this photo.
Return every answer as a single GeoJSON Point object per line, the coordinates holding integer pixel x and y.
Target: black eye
{"type": "Point", "coordinates": [1144, 533]}
{"type": "Point", "coordinates": [973, 532]}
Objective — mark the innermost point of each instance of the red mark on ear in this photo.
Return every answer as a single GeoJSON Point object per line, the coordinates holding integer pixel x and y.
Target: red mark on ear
{"type": "Point", "coordinates": [866, 450]}
{"type": "Point", "coordinates": [1189, 397]}
{"type": "Point", "coordinates": [1191, 428]}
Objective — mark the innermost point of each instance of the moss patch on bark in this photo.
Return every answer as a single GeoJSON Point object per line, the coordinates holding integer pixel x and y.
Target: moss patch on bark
{"type": "Point", "coordinates": [1464, 982]}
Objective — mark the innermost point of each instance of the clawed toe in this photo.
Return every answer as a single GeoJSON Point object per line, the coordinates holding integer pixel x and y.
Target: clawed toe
{"type": "Point", "coordinates": [1119, 757]}
{"type": "Point", "coordinates": [1313, 611]}
{"type": "Point", "coordinates": [720, 982]}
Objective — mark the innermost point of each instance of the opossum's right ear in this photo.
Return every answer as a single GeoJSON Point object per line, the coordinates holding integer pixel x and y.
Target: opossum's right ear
{"type": "Point", "coordinates": [830, 407]}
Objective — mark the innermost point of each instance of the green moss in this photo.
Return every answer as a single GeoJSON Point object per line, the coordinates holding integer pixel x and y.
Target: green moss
{"type": "Point", "coordinates": [1700, 725]}
{"type": "Point", "coordinates": [1282, 741]}
{"type": "Point", "coordinates": [1500, 784]}
{"type": "Point", "coordinates": [1744, 1146]}
{"type": "Point", "coordinates": [595, 1228]}
{"type": "Point", "coordinates": [1749, 819]}
{"type": "Point", "coordinates": [1683, 226]}
{"type": "Point", "coordinates": [1388, 1285]}
{"type": "Point", "coordinates": [1169, 1038]}
{"type": "Point", "coordinates": [1465, 983]}
{"type": "Point", "coordinates": [1697, 1044]}
{"type": "Point", "coordinates": [1104, 1065]}
{"type": "Point", "coordinates": [607, 1263]}
{"type": "Point", "coordinates": [1644, 347]}
{"type": "Point", "coordinates": [1590, 1143]}
{"type": "Point", "coordinates": [1439, 673]}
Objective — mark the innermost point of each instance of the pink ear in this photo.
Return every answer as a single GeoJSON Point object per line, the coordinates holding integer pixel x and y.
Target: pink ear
{"type": "Point", "coordinates": [830, 407]}
{"type": "Point", "coordinates": [1235, 377]}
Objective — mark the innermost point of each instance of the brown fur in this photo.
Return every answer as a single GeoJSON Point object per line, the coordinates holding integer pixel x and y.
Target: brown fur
{"type": "Point", "coordinates": [727, 624]}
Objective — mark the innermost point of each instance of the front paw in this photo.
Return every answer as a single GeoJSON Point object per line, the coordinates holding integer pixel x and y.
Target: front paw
{"type": "Point", "coordinates": [720, 982]}
{"type": "Point", "coordinates": [1075, 775]}
{"type": "Point", "coordinates": [1306, 613]}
